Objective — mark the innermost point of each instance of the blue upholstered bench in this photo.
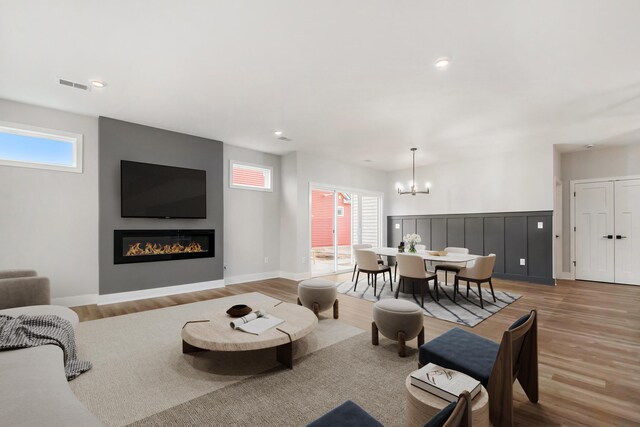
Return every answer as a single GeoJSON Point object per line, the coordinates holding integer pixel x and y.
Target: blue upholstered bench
{"type": "Point", "coordinates": [348, 415]}
{"type": "Point", "coordinates": [479, 353]}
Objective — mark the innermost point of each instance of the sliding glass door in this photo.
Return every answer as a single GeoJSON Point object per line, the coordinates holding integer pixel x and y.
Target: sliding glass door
{"type": "Point", "coordinates": [340, 219]}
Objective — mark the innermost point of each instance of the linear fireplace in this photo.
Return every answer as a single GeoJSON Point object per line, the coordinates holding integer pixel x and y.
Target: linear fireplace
{"type": "Point", "coordinates": [161, 245]}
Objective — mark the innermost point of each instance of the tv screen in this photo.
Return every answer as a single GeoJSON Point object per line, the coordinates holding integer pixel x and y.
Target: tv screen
{"type": "Point", "coordinates": [157, 191]}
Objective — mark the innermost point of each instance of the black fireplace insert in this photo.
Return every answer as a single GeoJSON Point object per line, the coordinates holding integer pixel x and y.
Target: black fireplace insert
{"type": "Point", "coordinates": [162, 245]}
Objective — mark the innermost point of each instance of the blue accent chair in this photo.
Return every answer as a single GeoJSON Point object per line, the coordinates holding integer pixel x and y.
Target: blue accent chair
{"type": "Point", "coordinates": [349, 414]}
{"type": "Point", "coordinates": [495, 366]}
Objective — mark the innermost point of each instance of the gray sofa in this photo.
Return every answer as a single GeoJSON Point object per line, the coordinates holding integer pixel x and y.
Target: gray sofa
{"type": "Point", "coordinates": [33, 387]}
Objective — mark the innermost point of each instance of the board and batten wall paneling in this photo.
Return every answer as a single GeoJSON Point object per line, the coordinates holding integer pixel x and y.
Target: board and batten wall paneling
{"type": "Point", "coordinates": [538, 243]}
{"type": "Point", "coordinates": [474, 235]}
{"type": "Point", "coordinates": [515, 245]}
{"type": "Point", "coordinates": [493, 240]}
{"type": "Point", "coordinates": [408, 226]}
{"type": "Point", "coordinates": [394, 232]}
{"type": "Point", "coordinates": [512, 236]}
{"type": "Point", "coordinates": [455, 232]}
{"type": "Point", "coordinates": [423, 228]}
{"type": "Point", "coordinates": [438, 234]}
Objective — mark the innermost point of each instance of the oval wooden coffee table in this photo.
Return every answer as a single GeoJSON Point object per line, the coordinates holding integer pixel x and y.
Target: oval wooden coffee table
{"type": "Point", "coordinates": [422, 406]}
{"type": "Point", "coordinates": [214, 333]}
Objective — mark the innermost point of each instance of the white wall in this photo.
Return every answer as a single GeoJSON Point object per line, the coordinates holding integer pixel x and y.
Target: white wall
{"type": "Point", "coordinates": [49, 219]}
{"type": "Point", "coordinates": [288, 213]}
{"type": "Point", "coordinates": [589, 164]}
{"type": "Point", "coordinates": [251, 222]}
{"type": "Point", "coordinates": [295, 215]}
{"type": "Point", "coordinates": [502, 182]}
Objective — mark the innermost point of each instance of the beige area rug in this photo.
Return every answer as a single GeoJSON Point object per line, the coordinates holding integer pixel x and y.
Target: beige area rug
{"type": "Point", "coordinates": [353, 369]}
{"type": "Point", "coordinates": [139, 369]}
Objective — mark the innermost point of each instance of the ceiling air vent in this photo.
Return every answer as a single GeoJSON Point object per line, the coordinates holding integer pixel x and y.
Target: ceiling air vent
{"type": "Point", "coordinates": [284, 138]}
{"type": "Point", "coordinates": [69, 83]}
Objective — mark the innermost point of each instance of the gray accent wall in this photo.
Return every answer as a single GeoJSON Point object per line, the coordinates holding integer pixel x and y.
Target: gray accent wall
{"type": "Point", "coordinates": [512, 236]}
{"type": "Point", "coordinates": [121, 140]}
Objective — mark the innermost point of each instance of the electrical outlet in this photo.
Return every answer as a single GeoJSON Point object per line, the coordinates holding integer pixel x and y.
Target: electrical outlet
{"type": "Point", "coordinates": [266, 260]}
{"type": "Point", "coordinates": [522, 261]}
{"type": "Point", "coordinates": [540, 225]}
{"type": "Point", "coordinates": [303, 260]}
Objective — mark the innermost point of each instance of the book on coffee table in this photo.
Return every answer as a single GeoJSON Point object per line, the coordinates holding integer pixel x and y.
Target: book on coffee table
{"type": "Point", "coordinates": [444, 383]}
{"type": "Point", "coordinates": [256, 323]}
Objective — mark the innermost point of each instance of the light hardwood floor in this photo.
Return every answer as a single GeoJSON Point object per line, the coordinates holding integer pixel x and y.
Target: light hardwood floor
{"type": "Point", "coordinates": [589, 342]}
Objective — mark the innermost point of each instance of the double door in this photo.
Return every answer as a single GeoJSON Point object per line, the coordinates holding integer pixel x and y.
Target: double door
{"type": "Point", "coordinates": [607, 231]}
{"type": "Point", "coordinates": [340, 219]}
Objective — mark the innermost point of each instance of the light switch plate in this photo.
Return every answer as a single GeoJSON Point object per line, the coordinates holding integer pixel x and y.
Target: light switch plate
{"type": "Point", "coordinates": [397, 226]}
{"type": "Point", "coordinates": [522, 261]}
{"type": "Point", "coordinates": [540, 224]}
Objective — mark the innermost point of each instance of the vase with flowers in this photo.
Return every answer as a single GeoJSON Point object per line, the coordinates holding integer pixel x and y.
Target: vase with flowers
{"type": "Point", "coordinates": [412, 240]}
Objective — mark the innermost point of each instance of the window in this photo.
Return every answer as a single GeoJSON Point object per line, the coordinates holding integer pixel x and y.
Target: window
{"type": "Point", "coordinates": [32, 147]}
{"type": "Point", "coordinates": [250, 177]}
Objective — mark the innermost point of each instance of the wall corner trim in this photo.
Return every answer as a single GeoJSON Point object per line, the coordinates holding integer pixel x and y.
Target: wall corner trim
{"type": "Point", "coordinates": [75, 300]}
{"type": "Point", "coordinates": [244, 278]}
{"type": "Point", "coordinates": [295, 276]}
{"type": "Point", "coordinates": [159, 292]}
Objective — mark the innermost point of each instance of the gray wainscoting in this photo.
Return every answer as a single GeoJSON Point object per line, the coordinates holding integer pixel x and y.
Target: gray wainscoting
{"type": "Point", "coordinates": [512, 236]}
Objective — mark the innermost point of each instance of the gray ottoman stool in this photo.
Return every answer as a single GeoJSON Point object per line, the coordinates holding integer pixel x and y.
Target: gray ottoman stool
{"type": "Point", "coordinates": [318, 295]}
{"type": "Point", "coordinates": [397, 320]}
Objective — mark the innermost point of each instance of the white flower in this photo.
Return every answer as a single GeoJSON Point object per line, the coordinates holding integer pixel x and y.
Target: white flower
{"type": "Point", "coordinates": [412, 238]}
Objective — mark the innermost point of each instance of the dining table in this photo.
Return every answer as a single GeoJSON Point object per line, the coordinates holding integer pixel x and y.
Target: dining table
{"type": "Point", "coordinates": [427, 256]}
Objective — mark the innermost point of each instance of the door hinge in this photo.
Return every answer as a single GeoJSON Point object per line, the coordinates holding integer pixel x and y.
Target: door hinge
{"type": "Point", "coordinates": [574, 263]}
{"type": "Point", "coordinates": [574, 228]}
{"type": "Point", "coordinates": [574, 194]}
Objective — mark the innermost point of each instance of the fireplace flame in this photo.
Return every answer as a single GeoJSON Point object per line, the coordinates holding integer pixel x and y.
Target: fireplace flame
{"type": "Point", "coordinates": [136, 249]}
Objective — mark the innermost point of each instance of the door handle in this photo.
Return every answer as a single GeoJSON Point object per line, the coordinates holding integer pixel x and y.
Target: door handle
{"type": "Point", "coordinates": [618, 236]}
{"type": "Point", "coordinates": [608, 236]}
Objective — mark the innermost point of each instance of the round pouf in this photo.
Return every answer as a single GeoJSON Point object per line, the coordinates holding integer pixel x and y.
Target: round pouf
{"type": "Point", "coordinates": [318, 295]}
{"type": "Point", "coordinates": [397, 320]}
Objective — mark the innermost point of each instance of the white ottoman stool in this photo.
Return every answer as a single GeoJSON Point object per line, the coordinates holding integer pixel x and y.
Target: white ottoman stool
{"type": "Point", "coordinates": [318, 295]}
{"type": "Point", "coordinates": [397, 320]}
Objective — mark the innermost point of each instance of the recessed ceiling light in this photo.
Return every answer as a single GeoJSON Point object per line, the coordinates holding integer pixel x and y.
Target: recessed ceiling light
{"type": "Point", "coordinates": [98, 83]}
{"type": "Point", "coordinates": [277, 133]}
{"type": "Point", "coordinates": [589, 146]}
{"type": "Point", "coordinates": [442, 63]}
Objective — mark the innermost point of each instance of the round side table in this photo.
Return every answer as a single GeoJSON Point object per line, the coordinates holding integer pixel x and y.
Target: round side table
{"type": "Point", "coordinates": [422, 405]}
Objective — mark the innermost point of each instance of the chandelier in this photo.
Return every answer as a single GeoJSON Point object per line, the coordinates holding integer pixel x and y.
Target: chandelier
{"type": "Point", "coordinates": [413, 190]}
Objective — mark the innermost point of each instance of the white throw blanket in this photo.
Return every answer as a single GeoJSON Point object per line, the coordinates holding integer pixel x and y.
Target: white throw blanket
{"type": "Point", "coordinates": [32, 331]}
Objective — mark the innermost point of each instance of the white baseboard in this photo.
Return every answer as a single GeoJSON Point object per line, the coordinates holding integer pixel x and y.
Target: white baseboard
{"type": "Point", "coordinates": [565, 275]}
{"type": "Point", "coordinates": [295, 276]}
{"type": "Point", "coordinates": [159, 292]}
{"type": "Point", "coordinates": [75, 300]}
{"type": "Point", "coordinates": [244, 278]}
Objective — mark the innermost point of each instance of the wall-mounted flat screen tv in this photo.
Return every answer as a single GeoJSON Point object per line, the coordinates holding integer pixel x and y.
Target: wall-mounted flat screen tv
{"type": "Point", "coordinates": [158, 191]}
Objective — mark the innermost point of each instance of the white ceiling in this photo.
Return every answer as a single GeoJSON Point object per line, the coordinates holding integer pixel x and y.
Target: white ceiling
{"type": "Point", "coordinates": [352, 80]}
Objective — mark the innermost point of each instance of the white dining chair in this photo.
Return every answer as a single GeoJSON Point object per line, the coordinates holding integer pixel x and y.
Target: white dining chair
{"type": "Point", "coordinates": [411, 268]}
{"type": "Point", "coordinates": [452, 266]}
{"type": "Point", "coordinates": [367, 262]}
{"type": "Point", "coordinates": [479, 273]}
{"type": "Point", "coordinates": [358, 247]}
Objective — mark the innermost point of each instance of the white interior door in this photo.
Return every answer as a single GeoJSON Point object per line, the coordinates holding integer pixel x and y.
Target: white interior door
{"type": "Point", "coordinates": [594, 234]}
{"type": "Point", "coordinates": [627, 218]}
